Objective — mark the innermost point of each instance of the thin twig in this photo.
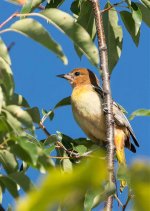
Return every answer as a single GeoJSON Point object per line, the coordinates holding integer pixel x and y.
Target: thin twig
{"type": "Point", "coordinates": [86, 154]}
{"type": "Point", "coordinates": [130, 196]}
{"type": "Point", "coordinates": [44, 129]}
{"type": "Point", "coordinates": [8, 19]}
{"type": "Point", "coordinates": [58, 143]}
{"type": "Point", "coordinates": [59, 157]}
{"type": "Point", "coordinates": [70, 153]}
{"type": "Point", "coordinates": [107, 96]}
{"type": "Point", "coordinates": [113, 5]}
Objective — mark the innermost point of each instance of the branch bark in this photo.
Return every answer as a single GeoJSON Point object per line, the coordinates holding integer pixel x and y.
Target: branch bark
{"type": "Point", "coordinates": [107, 95]}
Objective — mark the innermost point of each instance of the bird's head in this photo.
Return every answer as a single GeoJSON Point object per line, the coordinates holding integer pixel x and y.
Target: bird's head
{"type": "Point", "coordinates": [80, 76]}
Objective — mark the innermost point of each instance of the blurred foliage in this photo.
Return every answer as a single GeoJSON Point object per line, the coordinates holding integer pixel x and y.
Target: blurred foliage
{"type": "Point", "coordinates": [140, 182]}
{"type": "Point", "coordinates": [68, 188]}
{"type": "Point", "coordinates": [76, 171]}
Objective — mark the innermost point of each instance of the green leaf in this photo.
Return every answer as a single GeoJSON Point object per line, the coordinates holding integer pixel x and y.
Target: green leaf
{"type": "Point", "coordinates": [6, 79]}
{"type": "Point", "coordinates": [30, 5]}
{"type": "Point", "coordinates": [94, 197]}
{"type": "Point", "coordinates": [114, 36]}
{"type": "Point", "coordinates": [35, 114]}
{"type": "Point", "coordinates": [30, 148]}
{"type": "Point", "coordinates": [64, 102]}
{"type": "Point", "coordinates": [27, 150]}
{"type": "Point", "coordinates": [22, 180]}
{"type": "Point", "coordinates": [8, 160]}
{"type": "Point", "coordinates": [54, 3]}
{"type": "Point", "coordinates": [90, 197]}
{"type": "Point", "coordinates": [145, 13]}
{"type": "Point", "coordinates": [20, 115]}
{"type": "Point", "coordinates": [147, 3]}
{"type": "Point", "coordinates": [76, 33]}
{"type": "Point", "coordinates": [76, 6]}
{"type": "Point", "coordinates": [47, 114]}
{"type": "Point", "coordinates": [137, 16]}
{"type": "Point", "coordinates": [4, 52]}
{"type": "Point", "coordinates": [89, 200]}
{"type": "Point", "coordinates": [14, 124]}
{"type": "Point", "coordinates": [81, 149]}
{"type": "Point", "coordinates": [58, 186]}
{"type": "Point", "coordinates": [130, 26]}
{"type": "Point", "coordinates": [19, 152]}
{"type": "Point", "coordinates": [86, 18]}
{"type": "Point", "coordinates": [50, 149]}
{"type": "Point", "coordinates": [87, 21]}
{"type": "Point", "coordinates": [140, 112]}
{"type": "Point", "coordinates": [19, 100]}
{"type": "Point", "coordinates": [1, 99]}
{"type": "Point", "coordinates": [50, 140]}
{"type": "Point", "coordinates": [39, 34]}
{"type": "Point", "coordinates": [44, 162]}
{"type": "Point", "coordinates": [1, 195]}
{"type": "Point", "coordinates": [140, 183]}
{"type": "Point", "coordinates": [4, 128]}
{"type": "Point", "coordinates": [26, 6]}
{"type": "Point", "coordinates": [10, 185]}
{"type": "Point", "coordinates": [67, 164]}
{"type": "Point", "coordinates": [89, 145]}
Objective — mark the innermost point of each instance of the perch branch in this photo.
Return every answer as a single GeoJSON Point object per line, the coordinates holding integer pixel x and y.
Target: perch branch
{"type": "Point", "coordinates": [107, 96]}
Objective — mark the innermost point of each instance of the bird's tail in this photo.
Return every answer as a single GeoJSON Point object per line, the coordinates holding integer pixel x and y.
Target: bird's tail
{"type": "Point", "coordinates": [119, 139]}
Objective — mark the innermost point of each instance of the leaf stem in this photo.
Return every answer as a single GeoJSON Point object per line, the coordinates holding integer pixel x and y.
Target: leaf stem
{"type": "Point", "coordinates": [8, 19]}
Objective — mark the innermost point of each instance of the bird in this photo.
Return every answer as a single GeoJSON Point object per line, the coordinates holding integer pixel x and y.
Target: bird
{"type": "Point", "coordinates": [87, 100]}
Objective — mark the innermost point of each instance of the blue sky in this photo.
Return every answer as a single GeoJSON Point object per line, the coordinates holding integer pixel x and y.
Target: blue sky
{"type": "Point", "coordinates": [35, 69]}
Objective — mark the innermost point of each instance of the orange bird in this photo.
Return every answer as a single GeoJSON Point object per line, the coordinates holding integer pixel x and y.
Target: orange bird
{"type": "Point", "coordinates": [87, 107]}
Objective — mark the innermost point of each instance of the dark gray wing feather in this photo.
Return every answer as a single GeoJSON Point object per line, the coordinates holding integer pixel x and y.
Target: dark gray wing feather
{"type": "Point", "coordinates": [121, 120]}
{"type": "Point", "coordinates": [119, 117]}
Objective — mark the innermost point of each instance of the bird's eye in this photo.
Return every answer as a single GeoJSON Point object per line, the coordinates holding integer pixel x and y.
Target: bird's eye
{"type": "Point", "coordinates": [77, 73]}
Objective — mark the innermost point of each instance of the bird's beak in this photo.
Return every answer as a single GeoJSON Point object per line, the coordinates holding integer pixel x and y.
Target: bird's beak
{"type": "Point", "coordinates": [65, 76]}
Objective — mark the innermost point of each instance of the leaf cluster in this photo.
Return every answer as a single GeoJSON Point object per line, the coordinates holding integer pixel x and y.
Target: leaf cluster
{"type": "Point", "coordinates": [80, 26]}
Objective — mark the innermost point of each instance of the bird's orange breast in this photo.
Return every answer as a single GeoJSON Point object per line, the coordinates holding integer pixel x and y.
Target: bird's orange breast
{"type": "Point", "coordinates": [88, 111]}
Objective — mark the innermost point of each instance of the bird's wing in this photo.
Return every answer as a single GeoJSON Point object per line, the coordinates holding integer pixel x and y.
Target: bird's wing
{"type": "Point", "coordinates": [121, 120]}
{"type": "Point", "coordinates": [119, 117]}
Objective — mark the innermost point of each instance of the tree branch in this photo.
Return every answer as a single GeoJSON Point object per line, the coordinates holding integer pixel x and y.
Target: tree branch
{"type": "Point", "coordinates": [107, 96]}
